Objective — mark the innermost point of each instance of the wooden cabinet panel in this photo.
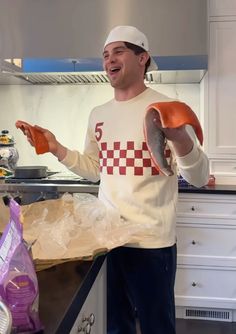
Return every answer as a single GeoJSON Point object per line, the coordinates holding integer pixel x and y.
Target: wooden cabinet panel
{"type": "Point", "coordinates": [222, 7]}
{"type": "Point", "coordinates": [222, 83]}
{"type": "Point", "coordinates": [219, 116]}
{"type": "Point", "coordinates": [92, 317]}
{"type": "Point", "coordinates": [226, 166]}
{"type": "Point", "coordinates": [206, 262]}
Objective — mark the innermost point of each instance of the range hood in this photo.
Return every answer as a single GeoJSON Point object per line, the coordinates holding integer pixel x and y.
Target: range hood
{"type": "Point", "coordinates": [70, 78]}
{"type": "Point", "coordinates": [174, 69]}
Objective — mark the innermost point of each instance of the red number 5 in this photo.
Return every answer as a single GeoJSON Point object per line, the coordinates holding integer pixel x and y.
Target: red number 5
{"type": "Point", "coordinates": [98, 130]}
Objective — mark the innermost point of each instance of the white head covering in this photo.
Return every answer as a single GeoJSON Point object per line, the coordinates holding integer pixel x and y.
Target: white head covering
{"type": "Point", "coordinates": [131, 35]}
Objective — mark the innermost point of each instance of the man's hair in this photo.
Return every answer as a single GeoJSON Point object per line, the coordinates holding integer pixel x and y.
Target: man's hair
{"type": "Point", "coordinates": [137, 50]}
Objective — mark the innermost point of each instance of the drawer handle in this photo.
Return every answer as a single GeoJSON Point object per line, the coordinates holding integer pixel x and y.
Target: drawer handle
{"type": "Point", "coordinates": [193, 242]}
{"type": "Point", "coordinates": [90, 319]}
{"type": "Point", "coordinates": [193, 208]}
{"type": "Point", "coordinates": [194, 284]}
{"type": "Point", "coordinates": [86, 329]}
{"type": "Point", "coordinates": [87, 323]}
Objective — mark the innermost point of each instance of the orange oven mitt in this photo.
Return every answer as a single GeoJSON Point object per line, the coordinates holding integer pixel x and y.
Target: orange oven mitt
{"type": "Point", "coordinates": [172, 115]}
{"type": "Point", "coordinates": [39, 140]}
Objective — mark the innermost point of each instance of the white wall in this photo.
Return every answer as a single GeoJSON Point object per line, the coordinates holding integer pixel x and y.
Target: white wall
{"type": "Point", "coordinates": [65, 110]}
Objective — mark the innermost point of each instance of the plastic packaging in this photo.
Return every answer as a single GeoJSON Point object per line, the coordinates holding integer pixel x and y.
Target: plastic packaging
{"type": "Point", "coordinates": [77, 226]}
{"type": "Point", "coordinates": [18, 280]}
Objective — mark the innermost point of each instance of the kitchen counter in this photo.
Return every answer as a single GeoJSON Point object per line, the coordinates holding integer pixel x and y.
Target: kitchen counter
{"type": "Point", "coordinates": [217, 189]}
{"type": "Point", "coordinates": [62, 292]}
{"type": "Point", "coordinates": [64, 288]}
{"type": "Point", "coordinates": [56, 189]}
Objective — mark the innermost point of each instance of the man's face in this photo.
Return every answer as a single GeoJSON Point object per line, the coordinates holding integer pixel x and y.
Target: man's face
{"type": "Point", "coordinates": [122, 66]}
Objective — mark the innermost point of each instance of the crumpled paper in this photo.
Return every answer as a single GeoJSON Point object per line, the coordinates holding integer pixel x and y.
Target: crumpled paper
{"type": "Point", "coordinates": [77, 226]}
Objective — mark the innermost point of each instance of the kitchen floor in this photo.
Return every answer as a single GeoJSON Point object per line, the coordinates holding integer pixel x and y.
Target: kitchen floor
{"type": "Point", "coordinates": [203, 327]}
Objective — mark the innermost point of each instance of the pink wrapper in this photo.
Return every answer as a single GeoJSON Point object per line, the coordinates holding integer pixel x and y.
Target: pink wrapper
{"type": "Point", "coordinates": [18, 280]}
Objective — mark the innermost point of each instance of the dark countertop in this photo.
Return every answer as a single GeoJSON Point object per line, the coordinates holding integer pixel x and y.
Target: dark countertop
{"type": "Point", "coordinates": [62, 293]}
{"type": "Point", "coordinates": [59, 188]}
{"type": "Point", "coordinates": [217, 189]}
{"type": "Point", "coordinates": [87, 186]}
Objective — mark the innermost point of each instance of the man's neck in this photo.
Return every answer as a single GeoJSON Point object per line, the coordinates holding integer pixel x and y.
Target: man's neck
{"type": "Point", "coordinates": [130, 93]}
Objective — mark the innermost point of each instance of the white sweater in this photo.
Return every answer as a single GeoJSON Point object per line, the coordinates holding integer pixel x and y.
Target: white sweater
{"type": "Point", "coordinates": [116, 153]}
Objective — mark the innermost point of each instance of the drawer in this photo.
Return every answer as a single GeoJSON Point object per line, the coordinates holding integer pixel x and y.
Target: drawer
{"type": "Point", "coordinates": [205, 283]}
{"type": "Point", "coordinates": [207, 207]}
{"type": "Point", "coordinates": [206, 240]}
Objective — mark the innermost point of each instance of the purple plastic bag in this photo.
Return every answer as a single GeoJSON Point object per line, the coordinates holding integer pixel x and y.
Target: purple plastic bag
{"type": "Point", "coordinates": [18, 280]}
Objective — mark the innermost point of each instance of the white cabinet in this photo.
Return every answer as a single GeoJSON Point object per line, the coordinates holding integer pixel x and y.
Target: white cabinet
{"type": "Point", "coordinates": [222, 7]}
{"type": "Point", "coordinates": [206, 264]}
{"type": "Point", "coordinates": [220, 116]}
{"type": "Point", "coordinates": [92, 317]}
{"type": "Point", "coordinates": [222, 84]}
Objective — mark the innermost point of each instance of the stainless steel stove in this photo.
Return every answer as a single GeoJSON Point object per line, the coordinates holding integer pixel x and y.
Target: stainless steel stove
{"type": "Point", "coordinates": [52, 178]}
{"type": "Point", "coordinates": [49, 180]}
{"type": "Point", "coordinates": [52, 187]}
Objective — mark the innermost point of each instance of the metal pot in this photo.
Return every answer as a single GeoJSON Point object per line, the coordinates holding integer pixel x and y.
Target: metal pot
{"type": "Point", "coordinates": [31, 172]}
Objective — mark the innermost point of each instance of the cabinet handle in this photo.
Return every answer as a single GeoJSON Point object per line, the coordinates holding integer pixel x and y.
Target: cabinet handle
{"type": "Point", "coordinates": [87, 323]}
{"type": "Point", "coordinates": [193, 208]}
{"type": "Point", "coordinates": [87, 329]}
{"type": "Point", "coordinates": [90, 319]}
{"type": "Point", "coordinates": [193, 242]}
{"type": "Point", "coordinates": [194, 284]}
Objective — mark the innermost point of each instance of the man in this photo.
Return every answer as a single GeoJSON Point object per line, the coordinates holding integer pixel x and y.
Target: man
{"type": "Point", "coordinates": [141, 276]}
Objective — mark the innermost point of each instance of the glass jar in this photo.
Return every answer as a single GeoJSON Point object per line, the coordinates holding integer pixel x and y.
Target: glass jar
{"type": "Point", "coordinates": [9, 155]}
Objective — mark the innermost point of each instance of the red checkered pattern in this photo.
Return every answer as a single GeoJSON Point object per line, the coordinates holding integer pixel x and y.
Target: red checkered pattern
{"type": "Point", "coordinates": [122, 159]}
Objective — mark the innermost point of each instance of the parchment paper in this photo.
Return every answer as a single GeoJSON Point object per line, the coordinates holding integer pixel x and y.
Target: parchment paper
{"type": "Point", "coordinates": [72, 227]}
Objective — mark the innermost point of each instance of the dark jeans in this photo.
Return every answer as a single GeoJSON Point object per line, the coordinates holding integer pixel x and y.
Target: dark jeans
{"type": "Point", "coordinates": [140, 282]}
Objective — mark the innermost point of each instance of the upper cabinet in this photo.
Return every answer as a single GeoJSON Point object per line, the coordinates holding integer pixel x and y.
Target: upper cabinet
{"type": "Point", "coordinates": [220, 113]}
{"type": "Point", "coordinates": [222, 7]}
{"type": "Point", "coordinates": [222, 88]}
{"type": "Point", "coordinates": [77, 28]}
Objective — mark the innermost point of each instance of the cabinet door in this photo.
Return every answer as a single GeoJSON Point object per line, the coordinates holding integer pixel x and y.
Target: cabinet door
{"type": "Point", "coordinates": [206, 263]}
{"type": "Point", "coordinates": [92, 317]}
{"type": "Point", "coordinates": [222, 7]}
{"type": "Point", "coordinates": [222, 90]}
